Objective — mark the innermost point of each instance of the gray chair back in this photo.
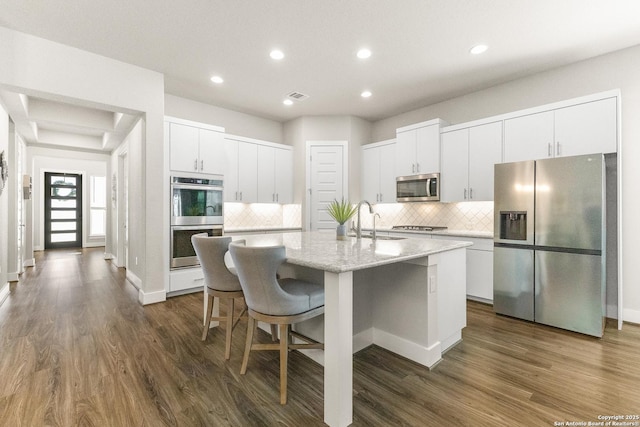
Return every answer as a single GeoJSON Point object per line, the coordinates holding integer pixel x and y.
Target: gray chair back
{"type": "Point", "coordinates": [210, 251]}
{"type": "Point", "coordinates": [257, 268]}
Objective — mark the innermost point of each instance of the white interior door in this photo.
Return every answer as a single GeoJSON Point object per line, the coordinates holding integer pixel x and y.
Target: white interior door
{"type": "Point", "coordinates": [326, 178]}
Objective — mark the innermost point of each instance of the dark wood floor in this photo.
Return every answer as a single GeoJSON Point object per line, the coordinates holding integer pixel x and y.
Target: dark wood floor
{"type": "Point", "coordinates": [76, 348]}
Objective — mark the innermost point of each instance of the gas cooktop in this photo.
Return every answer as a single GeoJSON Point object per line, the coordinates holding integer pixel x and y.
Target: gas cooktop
{"type": "Point", "coordinates": [419, 227]}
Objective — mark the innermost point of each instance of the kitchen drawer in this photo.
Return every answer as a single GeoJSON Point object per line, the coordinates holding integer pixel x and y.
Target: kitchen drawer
{"type": "Point", "coordinates": [188, 278]}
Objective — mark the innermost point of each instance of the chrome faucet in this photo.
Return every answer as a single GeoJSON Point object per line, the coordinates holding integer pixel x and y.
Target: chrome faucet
{"type": "Point", "coordinates": [373, 233]}
{"type": "Point", "coordinates": [359, 226]}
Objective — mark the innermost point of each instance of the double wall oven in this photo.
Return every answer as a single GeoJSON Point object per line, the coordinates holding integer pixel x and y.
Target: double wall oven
{"type": "Point", "coordinates": [196, 207]}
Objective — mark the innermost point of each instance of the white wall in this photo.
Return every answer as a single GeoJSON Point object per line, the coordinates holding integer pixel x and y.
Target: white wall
{"type": "Point", "coordinates": [41, 160]}
{"type": "Point", "coordinates": [297, 132]}
{"type": "Point", "coordinates": [54, 71]}
{"type": "Point", "coordinates": [4, 211]}
{"type": "Point", "coordinates": [233, 122]}
{"type": "Point", "coordinates": [132, 148]}
{"type": "Point", "coordinates": [612, 71]}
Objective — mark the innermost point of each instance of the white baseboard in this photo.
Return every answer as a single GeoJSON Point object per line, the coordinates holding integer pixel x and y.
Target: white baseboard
{"type": "Point", "coordinates": [363, 339]}
{"type": "Point", "coordinates": [107, 255]}
{"type": "Point", "coordinates": [427, 356]}
{"type": "Point", "coordinates": [146, 298]}
{"type": "Point", "coordinates": [29, 262]}
{"type": "Point", "coordinates": [135, 280]}
{"type": "Point", "coordinates": [93, 244]}
{"type": "Point", "coordinates": [13, 277]}
{"type": "Point", "coordinates": [631, 316]}
{"type": "Point", "coordinates": [4, 292]}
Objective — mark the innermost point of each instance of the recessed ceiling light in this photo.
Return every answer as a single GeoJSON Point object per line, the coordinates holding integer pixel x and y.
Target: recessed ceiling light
{"type": "Point", "coordinates": [276, 54]}
{"type": "Point", "coordinates": [217, 79]}
{"type": "Point", "coordinates": [364, 53]}
{"type": "Point", "coordinates": [366, 94]}
{"type": "Point", "coordinates": [478, 49]}
{"type": "Point", "coordinates": [287, 102]}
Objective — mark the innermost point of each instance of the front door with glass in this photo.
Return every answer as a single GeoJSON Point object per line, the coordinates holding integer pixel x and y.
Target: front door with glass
{"type": "Point", "coordinates": [63, 210]}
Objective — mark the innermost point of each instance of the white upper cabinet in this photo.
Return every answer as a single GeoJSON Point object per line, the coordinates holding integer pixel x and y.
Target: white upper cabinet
{"type": "Point", "coordinates": [258, 171]}
{"type": "Point", "coordinates": [275, 175]}
{"type": "Point", "coordinates": [196, 149]}
{"type": "Point", "coordinates": [485, 150]}
{"type": "Point", "coordinates": [583, 128]}
{"type": "Point", "coordinates": [528, 137]}
{"type": "Point", "coordinates": [586, 128]}
{"type": "Point", "coordinates": [284, 175]}
{"type": "Point", "coordinates": [468, 159]}
{"type": "Point", "coordinates": [418, 148]}
{"type": "Point", "coordinates": [378, 172]}
{"type": "Point", "coordinates": [241, 178]}
{"type": "Point", "coordinates": [454, 179]}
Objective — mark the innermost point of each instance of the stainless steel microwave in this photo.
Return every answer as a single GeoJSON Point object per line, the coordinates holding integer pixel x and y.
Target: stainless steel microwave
{"type": "Point", "coordinates": [418, 188]}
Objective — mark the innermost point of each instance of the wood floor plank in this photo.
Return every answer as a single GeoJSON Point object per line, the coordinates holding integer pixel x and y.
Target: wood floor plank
{"type": "Point", "coordinates": [77, 349]}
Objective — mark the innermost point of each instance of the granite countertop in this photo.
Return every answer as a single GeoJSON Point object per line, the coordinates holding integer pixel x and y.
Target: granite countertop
{"type": "Point", "coordinates": [323, 252]}
{"type": "Point", "coordinates": [456, 233]}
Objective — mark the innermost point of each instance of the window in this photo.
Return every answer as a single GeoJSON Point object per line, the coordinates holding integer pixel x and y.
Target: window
{"type": "Point", "coordinates": [98, 215]}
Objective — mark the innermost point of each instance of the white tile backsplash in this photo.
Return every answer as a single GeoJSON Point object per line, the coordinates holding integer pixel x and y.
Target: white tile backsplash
{"type": "Point", "coordinates": [477, 216]}
{"type": "Point", "coordinates": [256, 215]}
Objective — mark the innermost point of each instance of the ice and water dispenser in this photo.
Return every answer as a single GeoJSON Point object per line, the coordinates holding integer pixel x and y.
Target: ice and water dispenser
{"type": "Point", "coordinates": [513, 225]}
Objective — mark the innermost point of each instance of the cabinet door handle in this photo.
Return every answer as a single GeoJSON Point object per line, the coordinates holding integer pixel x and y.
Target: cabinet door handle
{"type": "Point", "coordinates": [236, 196]}
{"type": "Point", "coordinates": [277, 197]}
{"type": "Point", "coordinates": [470, 193]}
{"type": "Point", "coordinates": [418, 167]}
{"type": "Point", "coordinates": [195, 165]}
{"type": "Point", "coordinates": [558, 148]}
{"type": "Point", "coordinates": [465, 194]}
{"type": "Point", "coordinates": [413, 168]}
{"type": "Point", "coordinates": [380, 197]}
{"type": "Point", "coordinates": [201, 165]}
{"type": "Point", "coordinates": [241, 195]}
{"type": "Point", "coordinates": [549, 150]}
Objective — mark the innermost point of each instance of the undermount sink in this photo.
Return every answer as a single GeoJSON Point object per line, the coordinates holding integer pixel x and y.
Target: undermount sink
{"type": "Point", "coordinates": [368, 236]}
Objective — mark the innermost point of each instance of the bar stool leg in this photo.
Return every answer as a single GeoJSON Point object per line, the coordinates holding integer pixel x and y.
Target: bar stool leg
{"type": "Point", "coordinates": [230, 308]}
{"type": "Point", "coordinates": [207, 317]}
{"type": "Point", "coordinates": [284, 352]}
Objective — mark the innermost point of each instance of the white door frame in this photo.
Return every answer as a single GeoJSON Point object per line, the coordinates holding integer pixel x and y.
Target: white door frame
{"type": "Point", "coordinates": [345, 173]}
{"type": "Point", "coordinates": [122, 205]}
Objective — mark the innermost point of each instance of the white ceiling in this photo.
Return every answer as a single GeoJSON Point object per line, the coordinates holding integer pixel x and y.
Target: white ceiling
{"type": "Point", "coordinates": [420, 47]}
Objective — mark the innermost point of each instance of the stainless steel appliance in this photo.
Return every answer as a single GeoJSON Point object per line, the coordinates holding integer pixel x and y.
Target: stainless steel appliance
{"type": "Point", "coordinates": [197, 199]}
{"type": "Point", "coordinates": [418, 188]}
{"type": "Point", "coordinates": [550, 242]}
{"type": "Point", "coordinates": [182, 252]}
{"type": "Point", "coordinates": [196, 207]}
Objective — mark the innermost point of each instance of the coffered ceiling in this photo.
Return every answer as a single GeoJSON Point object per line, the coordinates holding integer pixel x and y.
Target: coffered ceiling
{"type": "Point", "coordinates": [419, 49]}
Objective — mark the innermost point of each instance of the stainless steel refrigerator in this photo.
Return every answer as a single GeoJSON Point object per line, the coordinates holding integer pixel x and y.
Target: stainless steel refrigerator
{"type": "Point", "coordinates": [550, 242]}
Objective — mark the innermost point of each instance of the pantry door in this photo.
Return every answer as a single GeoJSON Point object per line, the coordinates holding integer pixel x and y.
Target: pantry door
{"type": "Point", "coordinates": [326, 180]}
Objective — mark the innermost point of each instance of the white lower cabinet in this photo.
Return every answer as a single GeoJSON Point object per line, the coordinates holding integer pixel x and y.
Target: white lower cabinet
{"type": "Point", "coordinates": [479, 267]}
{"type": "Point", "coordinates": [479, 263]}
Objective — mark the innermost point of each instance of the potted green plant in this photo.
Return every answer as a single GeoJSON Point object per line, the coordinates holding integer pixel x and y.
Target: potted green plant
{"type": "Point", "coordinates": [342, 212]}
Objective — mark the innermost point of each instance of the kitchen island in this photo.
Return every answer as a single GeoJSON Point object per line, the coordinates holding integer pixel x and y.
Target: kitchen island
{"type": "Point", "coordinates": [405, 295]}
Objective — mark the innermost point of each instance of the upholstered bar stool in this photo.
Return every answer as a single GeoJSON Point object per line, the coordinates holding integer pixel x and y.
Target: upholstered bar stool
{"type": "Point", "coordinates": [219, 282]}
{"type": "Point", "coordinates": [278, 302]}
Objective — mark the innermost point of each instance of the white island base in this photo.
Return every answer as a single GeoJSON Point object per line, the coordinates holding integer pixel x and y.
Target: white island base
{"type": "Point", "coordinates": [407, 296]}
{"type": "Point", "coordinates": [414, 308]}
